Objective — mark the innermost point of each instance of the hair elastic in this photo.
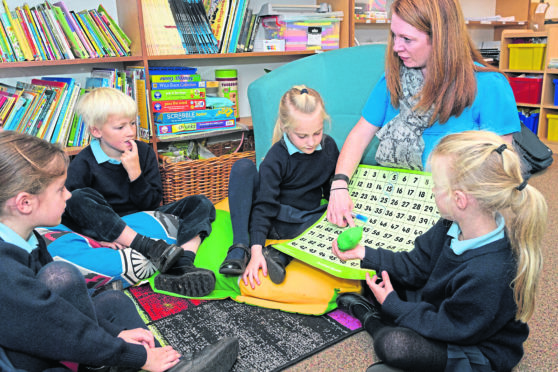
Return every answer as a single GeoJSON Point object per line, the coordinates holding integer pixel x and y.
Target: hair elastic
{"type": "Point", "coordinates": [304, 90]}
{"type": "Point", "coordinates": [501, 148]}
{"type": "Point", "coordinates": [522, 185]}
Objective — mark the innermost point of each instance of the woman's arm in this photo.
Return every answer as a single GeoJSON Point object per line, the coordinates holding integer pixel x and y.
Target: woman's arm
{"type": "Point", "coordinates": [340, 204]}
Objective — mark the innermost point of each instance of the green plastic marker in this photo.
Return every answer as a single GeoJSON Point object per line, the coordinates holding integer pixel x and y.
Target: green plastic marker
{"type": "Point", "coordinates": [349, 238]}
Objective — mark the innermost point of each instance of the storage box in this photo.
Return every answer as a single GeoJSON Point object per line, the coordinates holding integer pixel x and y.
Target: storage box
{"type": "Point", "coordinates": [531, 121]}
{"type": "Point", "coordinates": [555, 92]}
{"type": "Point", "coordinates": [552, 134]}
{"type": "Point", "coordinates": [527, 89]}
{"type": "Point", "coordinates": [303, 33]}
{"type": "Point", "coordinates": [527, 56]}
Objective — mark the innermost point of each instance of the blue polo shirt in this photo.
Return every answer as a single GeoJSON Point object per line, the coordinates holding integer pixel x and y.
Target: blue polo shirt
{"type": "Point", "coordinates": [494, 109]}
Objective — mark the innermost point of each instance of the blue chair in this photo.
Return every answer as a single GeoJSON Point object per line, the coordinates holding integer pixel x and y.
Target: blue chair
{"type": "Point", "coordinates": [343, 77]}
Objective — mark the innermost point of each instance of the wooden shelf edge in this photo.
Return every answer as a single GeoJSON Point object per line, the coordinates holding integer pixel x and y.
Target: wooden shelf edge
{"type": "Point", "coordinates": [231, 55]}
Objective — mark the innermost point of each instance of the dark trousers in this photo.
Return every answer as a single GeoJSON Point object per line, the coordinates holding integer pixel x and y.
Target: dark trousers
{"type": "Point", "coordinates": [244, 182]}
{"type": "Point", "coordinates": [66, 281]}
{"type": "Point", "coordinates": [88, 213]}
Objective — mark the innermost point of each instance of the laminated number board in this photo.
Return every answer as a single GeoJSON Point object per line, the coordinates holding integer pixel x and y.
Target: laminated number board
{"type": "Point", "coordinates": [397, 205]}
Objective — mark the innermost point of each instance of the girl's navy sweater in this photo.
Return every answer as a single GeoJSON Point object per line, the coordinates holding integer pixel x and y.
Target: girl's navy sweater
{"type": "Point", "coordinates": [39, 323]}
{"type": "Point", "coordinates": [298, 180]}
{"type": "Point", "coordinates": [466, 299]}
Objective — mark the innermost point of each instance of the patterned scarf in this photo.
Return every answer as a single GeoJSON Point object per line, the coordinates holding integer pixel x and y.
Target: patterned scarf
{"type": "Point", "coordinates": [401, 144]}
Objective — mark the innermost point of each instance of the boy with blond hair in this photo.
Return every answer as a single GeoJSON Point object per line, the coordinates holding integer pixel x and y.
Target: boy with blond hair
{"type": "Point", "coordinates": [115, 176]}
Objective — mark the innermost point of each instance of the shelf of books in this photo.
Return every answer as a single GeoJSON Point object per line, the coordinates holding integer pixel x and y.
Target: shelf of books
{"type": "Point", "coordinates": [123, 50]}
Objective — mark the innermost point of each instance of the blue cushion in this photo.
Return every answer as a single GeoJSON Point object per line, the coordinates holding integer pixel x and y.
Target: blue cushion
{"type": "Point", "coordinates": [344, 78]}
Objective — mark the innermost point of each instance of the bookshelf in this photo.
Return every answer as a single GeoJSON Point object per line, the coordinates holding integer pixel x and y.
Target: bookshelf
{"type": "Point", "coordinates": [130, 17]}
{"type": "Point", "coordinates": [546, 104]}
{"type": "Point", "coordinates": [376, 30]}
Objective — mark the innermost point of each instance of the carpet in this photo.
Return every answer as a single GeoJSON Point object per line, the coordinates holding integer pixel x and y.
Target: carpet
{"type": "Point", "coordinates": [270, 340]}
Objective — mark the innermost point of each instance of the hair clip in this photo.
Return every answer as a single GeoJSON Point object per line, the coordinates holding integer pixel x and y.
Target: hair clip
{"type": "Point", "coordinates": [304, 90]}
{"type": "Point", "coordinates": [522, 185]}
{"type": "Point", "coordinates": [501, 148]}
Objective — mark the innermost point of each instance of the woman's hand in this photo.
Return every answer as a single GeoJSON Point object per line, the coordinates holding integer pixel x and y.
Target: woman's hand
{"type": "Point", "coordinates": [340, 205]}
{"type": "Point", "coordinates": [352, 254]}
{"type": "Point", "coordinates": [382, 289]}
{"type": "Point", "coordinates": [257, 261]}
{"type": "Point", "coordinates": [160, 359]}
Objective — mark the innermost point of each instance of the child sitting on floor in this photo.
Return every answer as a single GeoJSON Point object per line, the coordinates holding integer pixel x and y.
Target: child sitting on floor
{"type": "Point", "coordinates": [284, 198]}
{"type": "Point", "coordinates": [47, 313]}
{"type": "Point", "coordinates": [117, 175]}
{"type": "Point", "coordinates": [477, 277]}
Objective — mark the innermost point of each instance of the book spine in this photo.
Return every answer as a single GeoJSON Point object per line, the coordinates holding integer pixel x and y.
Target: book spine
{"type": "Point", "coordinates": [122, 34]}
{"type": "Point", "coordinates": [177, 94]}
{"type": "Point", "coordinates": [106, 34]}
{"type": "Point", "coordinates": [67, 125]}
{"type": "Point", "coordinates": [74, 26]}
{"type": "Point", "coordinates": [5, 44]}
{"type": "Point", "coordinates": [194, 116]}
{"type": "Point", "coordinates": [94, 30]}
{"type": "Point", "coordinates": [175, 78]}
{"type": "Point", "coordinates": [35, 30]}
{"type": "Point", "coordinates": [88, 33]}
{"type": "Point", "coordinates": [50, 43]}
{"type": "Point", "coordinates": [121, 42]}
{"type": "Point", "coordinates": [11, 36]}
{"type": "Point", "coordinates": [236, 26]}
{"type": "Point", "coordinates": [70, 35]}
{"type": "Point", "coordinates": [254, 33]}
{"type": "Point", "coordinates": [18, 31]}
{"type": "Point", "coordinates": [178, 105]}
{"type": "Point", "coordinates": [180, 85]}
{"type": "Point", "coordinates": [57, 33]}
{"type": "Point", "coordinates": [165, 129]}
{"type": "Point", "coordinates": [20, 18]}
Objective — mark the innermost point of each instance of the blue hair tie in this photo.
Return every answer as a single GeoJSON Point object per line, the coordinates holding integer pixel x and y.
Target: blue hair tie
{"type": "Point", "coordinates": [304, 90]}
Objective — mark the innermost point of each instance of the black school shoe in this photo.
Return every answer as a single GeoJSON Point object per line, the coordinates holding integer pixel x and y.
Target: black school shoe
{"type": "Point", "coordinates": [357, 306]}
{"type": "Point", "coordinates": [218, 357]}
{"type": "Point", "coordinates": [235, 266]}
{"type": "Point", "coordinates": [189, 281]}
{"type": "Point", "coordinates": [275, 266]}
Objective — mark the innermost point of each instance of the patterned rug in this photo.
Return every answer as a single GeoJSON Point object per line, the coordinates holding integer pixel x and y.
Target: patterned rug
{"type": "Point", "coordinates": [270, 340]}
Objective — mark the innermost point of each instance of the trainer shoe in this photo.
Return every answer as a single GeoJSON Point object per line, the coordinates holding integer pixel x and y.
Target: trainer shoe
{"type": "Point", "coordinates": [189, 281]}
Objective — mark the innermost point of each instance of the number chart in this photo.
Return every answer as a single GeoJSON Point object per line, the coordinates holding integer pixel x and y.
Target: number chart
{"type": "Point", "coordinates": [398, 205]}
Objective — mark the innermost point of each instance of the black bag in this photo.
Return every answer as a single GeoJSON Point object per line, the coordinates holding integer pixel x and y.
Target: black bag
{"type": "Point", "coordinates": [535, 154]}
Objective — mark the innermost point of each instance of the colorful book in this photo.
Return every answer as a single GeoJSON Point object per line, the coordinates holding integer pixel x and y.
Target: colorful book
{"type": "Point", "coordinates": [51, 48]}
{"type": "Point", "coordinates": [64, 133]}
{"type": "Point", "coordinates": [177, 94]}
{"type": "Point", "coordinates": [239, 16]}
{"type": "Point", "coordinates": [218, 19]}
{"type": "Point", "coordinates": [57, 35]}
{"type": "Point", "coordinates": [11, 37]}
{"type": "Point", "coordinates": [20, 108]}
{"type": "Point", "coordinates": [168, 129]}
{"type": "Point", "coordinates": [77, 29]}
{"type": "Point", "coordinates": [174, 78]}
{"type": "Point", "coordinates": [117, 32]}
{"type": "Point", "coordinates": [185, 85]}
{"type": "Point", "coordinates": [182, 117]}
{"type": "Point", "coordinates": [122, 34]}
{"type": "Point", "coordinates": [35, 31]}
{"type": "Point", "coordinates": [144, 125]}
{"type": "Point", "coordinates": [18, 31]}
{"type": "Point", "coordinates": [19, 17]}
{"type": "Point", "coordinates": [54, 128]}
{"type": "Point", "coordinates": [77, 48]}
{"type": "Point", "coordinates": [106, 34]}
{"type": "Point", "coordinates": [178, 105]}
{"type": "Point", "coordinates": [5, 45]}
{"type": "Point", "coordinates": [94, 30]}
{"type": "Point", "coordinates": [60, 88]}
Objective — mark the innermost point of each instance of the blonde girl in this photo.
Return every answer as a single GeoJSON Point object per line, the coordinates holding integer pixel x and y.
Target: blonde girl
{"type": "Point", "coordinates": [477, 269]}
{"type": "Point", "coordinates": [284, 197]}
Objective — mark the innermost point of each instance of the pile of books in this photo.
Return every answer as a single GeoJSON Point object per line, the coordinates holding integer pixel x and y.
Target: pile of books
{"type": "Point", "coordinates": [178, 99]}
{"type": "Point", "coordinates": [45, 107]}
{"type": "Point", "coordinates": [53, 32]}
{"type": "Point", "coordinates": [234, 24]}
{"type": "Point", "coordinates": [177, 27]}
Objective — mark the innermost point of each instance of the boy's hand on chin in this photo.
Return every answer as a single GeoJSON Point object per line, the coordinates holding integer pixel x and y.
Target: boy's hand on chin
{"type": "Point", "coordinates": [130, 161]}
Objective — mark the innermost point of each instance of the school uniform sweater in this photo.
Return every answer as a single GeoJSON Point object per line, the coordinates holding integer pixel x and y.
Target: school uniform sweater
{"type": "Point", "coordinates": [37, 322]}
{"type": "Point", "coordinates": [466, 299]}
{"type": "Point", "coordinates": [298, 180]}
{"type": "Point", "coordinates": [111, 180]}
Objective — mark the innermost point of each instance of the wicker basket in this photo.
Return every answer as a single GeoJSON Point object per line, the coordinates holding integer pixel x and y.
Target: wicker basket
{"type": "Point", "coordinates": [209, 177]}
